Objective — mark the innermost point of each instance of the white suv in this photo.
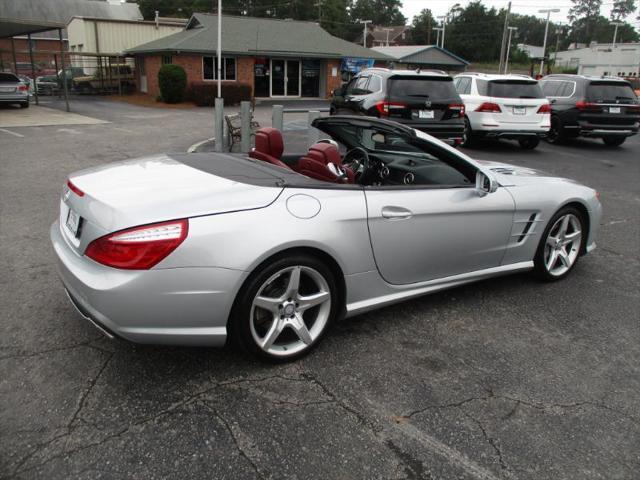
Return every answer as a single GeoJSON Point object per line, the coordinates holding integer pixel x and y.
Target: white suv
{"type": "Point", "coordinates": [503, 106]}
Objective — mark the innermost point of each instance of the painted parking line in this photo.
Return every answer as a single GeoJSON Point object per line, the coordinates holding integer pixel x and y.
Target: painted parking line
{"type": "Point", "coordinates": [11, 133]}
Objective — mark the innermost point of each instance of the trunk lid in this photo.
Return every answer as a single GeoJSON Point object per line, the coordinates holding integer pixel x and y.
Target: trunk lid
{"type": "Point", "coordinates": [519, 100]}
{"type": "Point", "coordinates": [423, 98]}
{"type": "Point", "coordinates": [164, 187]}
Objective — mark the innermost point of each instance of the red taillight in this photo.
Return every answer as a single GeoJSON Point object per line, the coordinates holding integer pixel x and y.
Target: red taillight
{"type": "Point", "coordinates": [587, 106]}
{"type": "Point", "coordinates": [488, 107]}
{"type": "Point", "coordinates": [23, 88]}
{"type": "Point", "coordinates": [75, 189]}
{"type": "Point", "coordinates": [546, 108]}
{"type": "Point", "coordinates": [386, 108]}
{"type": "Point", "coordinates": [138, 248]}
{"type": "Point", "coordinates": [457, 108]}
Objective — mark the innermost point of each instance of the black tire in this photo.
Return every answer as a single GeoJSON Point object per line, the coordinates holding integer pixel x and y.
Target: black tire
{"type": "Point", "coordinates": [540, 268]}
{"type": "Point", "coordinates": [529, 143]}
{"type": "Point", "coordinates": [467, 136]}
{"type": "Point", "coordinates": [556, 134]}
{"type": "Point", "coordinates": [240, 328]}
{"type": "Point", "coordinates": [24, 105]}
{"type": "Point", "coordinates": [614, 141]}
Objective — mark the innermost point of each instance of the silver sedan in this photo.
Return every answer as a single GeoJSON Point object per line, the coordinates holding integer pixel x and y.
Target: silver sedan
{"type": "Point", "coordinates": [270, 249]}
{"type": "Point", "coordinates": [13, 90]}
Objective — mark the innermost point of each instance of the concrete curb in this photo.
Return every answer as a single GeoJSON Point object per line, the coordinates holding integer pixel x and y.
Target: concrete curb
{"type": "Point", "coordinates": [195, 146]}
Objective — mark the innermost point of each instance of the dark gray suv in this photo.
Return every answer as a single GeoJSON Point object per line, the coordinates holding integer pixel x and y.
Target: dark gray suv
{"type": "Point", "coordinates": [600, 107]}
{"type": "Point", "coordinates": [426, 101]}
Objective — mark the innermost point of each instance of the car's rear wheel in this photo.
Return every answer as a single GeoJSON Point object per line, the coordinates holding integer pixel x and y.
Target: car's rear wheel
{"type": "Point", "coordinates": [560, 245]}
{"type": "Point", "coordinates": [467, 139]}
{"type": "Point", "coordinates": [529, 143]}
{"type": "Point", "coordinates": [613, 141]}
{"type": "Point", "coordinates": [556, 132]}
{"type": "Point", "coordinates": [285, 308]}
{"type": "Point", "coordinates": [24, 105]}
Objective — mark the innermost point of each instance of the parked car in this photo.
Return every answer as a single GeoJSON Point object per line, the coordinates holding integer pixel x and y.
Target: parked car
{"type": "Point", "coordinates": [105, 79]}
{"type": "Point", "coordinates": [47, 85]}
{"type": "Point", "coordinates": [596, 107]}
{"type": "Point", "coordinates": [13, 90]}
{"type": "Point", "coordinates": [426, 101]}
{"type": "Point", "coordinates": [508, 107]}
{"type": "Point", "coordinates": [269, 249]}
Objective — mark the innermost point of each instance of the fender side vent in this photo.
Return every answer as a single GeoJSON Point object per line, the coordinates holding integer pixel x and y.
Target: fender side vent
{"type": "Point", "coordinates": [504, 170]}
{"type": "Point", "coordinates": [527, 227]}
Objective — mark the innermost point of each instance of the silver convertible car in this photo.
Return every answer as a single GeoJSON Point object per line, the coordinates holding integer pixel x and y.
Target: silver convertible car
{"type": "Point", "coordinates": [269, 249]}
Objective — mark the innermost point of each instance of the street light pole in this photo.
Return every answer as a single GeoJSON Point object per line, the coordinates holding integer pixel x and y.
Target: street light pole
{"type": "Point", "coordinates": [444, 26]}
{"type": "Point", "coordinates": [387, 30]}
{"type": "Point", "coordinates": [506, 60]}
{"type": "Point", "coordinates": [615, 32]}
{"type": "Point", "coordinates": [437, 29]}
{"type": "Point", "coordinates": [548, 11]}
{"type": "Point", "coordinates": [219, 103]}
{"type": "Point", "coordinates": [364, 39]}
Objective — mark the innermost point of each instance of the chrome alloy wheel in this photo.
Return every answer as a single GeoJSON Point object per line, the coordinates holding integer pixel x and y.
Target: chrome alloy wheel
{"type": "Point", "coordinates": [562, 245]}
{"type": "Point", "coordinates": [290, 310]}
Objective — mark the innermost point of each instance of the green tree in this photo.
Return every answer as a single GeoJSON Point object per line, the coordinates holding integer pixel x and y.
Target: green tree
{"type": "Point", "coordinates": [622, 9]}
{"type": "Point", "coordinates": [381, 12]}
{"type": "Point", "coordinates": [422, 27]}
{"type": "Point", "coordinates": [471, 34]}
{"type": "Point", "coordinates": [583, 16]}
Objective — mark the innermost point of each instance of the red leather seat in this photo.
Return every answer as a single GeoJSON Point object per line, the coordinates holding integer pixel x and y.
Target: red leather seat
{"type": "Point", "coordinates": [315, 164]}
{"type": "Point", "coordinates": [269, 147]}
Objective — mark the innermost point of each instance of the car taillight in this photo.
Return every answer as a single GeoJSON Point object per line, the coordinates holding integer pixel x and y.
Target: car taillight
{"type": "Point", "coordinates": [386, 108]}
{"type": "Point", "coordinates": [75, 189]}
{"type": "Point", "coordinates": [22, 88]}
{"type": "Point", "coordinates": [633, 108]}
{"type": "Point", "coordinates": [588, 107]}
{"type": "Point", "coordinates": [489, 107]}
{"type": "Point", "coordinates": [457, 108]}
{"type": "Point", "coordinates": [546, 108]}
{"type": "Point", "coordinates": [138, 248]}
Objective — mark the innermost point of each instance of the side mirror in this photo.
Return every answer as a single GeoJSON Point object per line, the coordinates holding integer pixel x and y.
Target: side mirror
{"type": "Point", "coordinates": [338, 92]}
{"type": "Point", "coordinates": [485, 184]}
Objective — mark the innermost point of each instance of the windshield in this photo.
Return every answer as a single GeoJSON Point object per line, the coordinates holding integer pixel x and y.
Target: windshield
{"type": "Point", "coordinates": [610, 92]}
{"type": "Point", "coordinates": [514, 89]}
{"type": "Point", "coordinates": [420, 86]}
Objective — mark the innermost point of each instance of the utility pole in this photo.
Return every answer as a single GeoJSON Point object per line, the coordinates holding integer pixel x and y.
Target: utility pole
{"type": "Point", "coordinates": [558, 33]}
{"type": "Point", "coordinates": [429, 30]}
{"type": "Point", "coordinates": [438, 30]}
{"type": "Point", "coordinates": [504, 37]}
{"type": "Point", "coordinates": [364, 39]}
{"type": "Point", "coordinates": [444, 26]}
{"type": "Point", "coordinates": [319, 5]}
{"type": "Point", "coordinates": [219, 103]}
{"type": "Point", "coordinates": [506, 58]}
{"type": "Point", "coordinates": [387, 30]}
{"type": "Point", "coordinates": [548, 11]}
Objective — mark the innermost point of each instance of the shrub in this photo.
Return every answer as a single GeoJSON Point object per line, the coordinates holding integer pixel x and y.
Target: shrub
{"type": "Point", "coordinates": [204, 94]}
{"type": "Point", "coordinates": [172, 80]}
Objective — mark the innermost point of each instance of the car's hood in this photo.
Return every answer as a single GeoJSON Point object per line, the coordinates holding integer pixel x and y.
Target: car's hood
{"type": "Point", "coordinates": [513, 175]}
{"type": "Point", "coordinates": [166, 187]}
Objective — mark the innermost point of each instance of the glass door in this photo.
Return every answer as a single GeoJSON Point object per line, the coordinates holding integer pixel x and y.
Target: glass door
{"type": "Point", "coordinates": [285, 78]}
{"type": "Point", "coordinates": [293, 78]}
{"type": "Point", "coordinates": [278, 75]}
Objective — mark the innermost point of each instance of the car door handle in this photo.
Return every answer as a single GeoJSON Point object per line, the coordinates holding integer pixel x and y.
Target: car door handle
{"type": "Point", "coordinates": [396, 213]}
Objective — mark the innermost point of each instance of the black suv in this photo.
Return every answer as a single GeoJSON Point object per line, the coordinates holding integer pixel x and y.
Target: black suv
{"type": "Point", "coordinates": [426, 101]}
{"type": "Point", "coordinates": [600, 107]}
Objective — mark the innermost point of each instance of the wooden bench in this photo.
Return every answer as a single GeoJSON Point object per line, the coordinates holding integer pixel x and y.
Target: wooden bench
{"type": "Point", "coordinates": [234, 127]}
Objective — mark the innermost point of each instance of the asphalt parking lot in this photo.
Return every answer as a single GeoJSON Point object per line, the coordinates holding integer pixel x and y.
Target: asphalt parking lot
{"type": "Point", "coordinates": [505, 379]}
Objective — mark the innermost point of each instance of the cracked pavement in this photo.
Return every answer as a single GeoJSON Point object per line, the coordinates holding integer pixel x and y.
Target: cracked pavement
{"type": "Point", "coordinates": [505, 379]}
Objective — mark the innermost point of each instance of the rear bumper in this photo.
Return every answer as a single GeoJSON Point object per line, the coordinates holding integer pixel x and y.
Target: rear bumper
{"type": "Point", "coordinates": [447, 132]}
{"type": "Point", "coordinates": [512, 134]}
{"type": "Point", "coordinates": [4, 98]}
{"type": "Point", "coordinates": [173, 306]}
{"type": "Point", "coordinates": [608, 132]}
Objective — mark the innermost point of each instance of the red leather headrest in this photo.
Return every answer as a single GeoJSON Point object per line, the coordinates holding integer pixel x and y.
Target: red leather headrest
{"type": "Point", "coordinates": [269, 141]}
{"type": "Point", "coordinates": [325, 152]}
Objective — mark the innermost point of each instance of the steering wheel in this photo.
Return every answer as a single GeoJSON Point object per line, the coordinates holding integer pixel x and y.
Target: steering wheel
{"type": "Point", "coordinates": [357, 159]}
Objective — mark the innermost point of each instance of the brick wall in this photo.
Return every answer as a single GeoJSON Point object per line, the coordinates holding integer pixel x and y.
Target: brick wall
{"type": "Point", "coordinates": [192, 65]}
{"type": "Point", "coordinates": [333, 82]}
{"type": "Point", "coordinates": [43, 53]}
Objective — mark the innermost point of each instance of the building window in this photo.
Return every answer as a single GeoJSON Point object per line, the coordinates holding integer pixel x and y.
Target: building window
{"type": "Point", "coordinates": [209, 67]}
{"type": "Point", "coordinates": [167, 59]}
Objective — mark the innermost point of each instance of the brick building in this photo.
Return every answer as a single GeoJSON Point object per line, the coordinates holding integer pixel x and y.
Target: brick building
{"type": "Point", "coordinates": [276, 58]}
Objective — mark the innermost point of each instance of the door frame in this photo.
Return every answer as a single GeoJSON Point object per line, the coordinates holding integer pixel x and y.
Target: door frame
{"type": "Point", "coordinates": [286, 68]}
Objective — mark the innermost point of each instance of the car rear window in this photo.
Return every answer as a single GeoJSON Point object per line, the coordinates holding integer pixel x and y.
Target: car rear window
{"type": "Point", "coordinates": [8, 77]}
{"type": "Point", "coordinates": [435, 88]}
{"type": "Point", "coordinates": [513, 89]}
{"type": "Point", "coordinates": [610, 92]}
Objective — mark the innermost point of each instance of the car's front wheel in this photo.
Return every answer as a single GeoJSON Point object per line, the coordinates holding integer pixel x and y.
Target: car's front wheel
{"type": "Point", "coordinates": [614, 141]}
{"type": "Point", "coordinates": [560, 245]}
{"type": "Point", "coordinates": [529, 143]}
{"type": "Point", "coordinates": [285, 308]}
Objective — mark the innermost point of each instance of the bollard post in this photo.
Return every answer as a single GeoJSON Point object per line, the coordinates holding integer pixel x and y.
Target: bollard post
{"type": "Point", "coordinates": [313, 135]}
{"type": "Point", "coordinates": [219, 124]}
{"type": "Point", "coordinates": [245, 127]}
{"type": "Point", "coordinates": [276, 117]}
